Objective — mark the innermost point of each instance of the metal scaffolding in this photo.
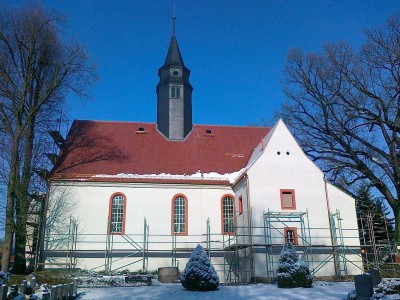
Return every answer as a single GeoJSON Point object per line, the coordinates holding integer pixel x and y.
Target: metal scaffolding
{"type": "Point", "coordinates": [36, 217]}
{"type": "Point", "coordinates": [34, 225]}
{"type": "Point", "coordinates": [338, 245]}
{"type": "Point", "coordinates": [71, 243]}
{"type": "Point", "coordinates": [376, 253]}
{"type": "Point", "coordinates": [238, 250]}
{"type": "Point", "coordinates": [134, 249]}
{"type": "Point", "coordinates": [274, 225]}
{"type": "Point", "coordinates": [232, 255]}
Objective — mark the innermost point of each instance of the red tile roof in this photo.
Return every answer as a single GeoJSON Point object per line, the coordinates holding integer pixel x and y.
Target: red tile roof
{"type": "Point", "coordinates": [98, 147]}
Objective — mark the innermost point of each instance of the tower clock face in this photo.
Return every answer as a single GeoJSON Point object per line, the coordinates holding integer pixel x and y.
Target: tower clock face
{"type": "Point", "coordinates": [175, 72]}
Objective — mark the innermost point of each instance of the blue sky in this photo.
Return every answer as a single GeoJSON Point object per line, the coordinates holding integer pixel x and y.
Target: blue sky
{"type": "Point", "coordinates": [235, 50]}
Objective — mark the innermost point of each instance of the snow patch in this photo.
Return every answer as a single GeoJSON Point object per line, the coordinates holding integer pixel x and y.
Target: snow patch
{"type": "Point", "coordinates": [175, 291]}
{"type": "Point", "coordinates": [231, 177]}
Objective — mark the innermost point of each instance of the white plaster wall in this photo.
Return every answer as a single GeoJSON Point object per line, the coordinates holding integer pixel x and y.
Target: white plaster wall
{"type": "Point", "coordinates": [242, 220]}
{"type": "Point", "coordinates": [291, 169]}
{"type": "Point", "coordinates": [339, 201]}
{"type": "Point", "coordinates": [150, 201]}
{"type": "Point", "coordinates": [272, 172]}
{"type": "Point", "coordinates": [241, 190]}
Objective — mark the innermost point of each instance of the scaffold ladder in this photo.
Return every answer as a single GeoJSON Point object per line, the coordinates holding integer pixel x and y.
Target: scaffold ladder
{"type": "Point", "coordinates": [339, 249]}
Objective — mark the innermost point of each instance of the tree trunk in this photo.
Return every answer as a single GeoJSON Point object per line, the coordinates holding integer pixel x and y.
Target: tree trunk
{"type": "Point", "coordinates": [8, 239]}
{"type": "Point", "coordinates": [20, 235]}
{"type": "Point", "coordinates": [22, 201]}
{"type": "Point", "coordinates": [396, 212]}
{"type": "Point", "coordinates": [11, 194]}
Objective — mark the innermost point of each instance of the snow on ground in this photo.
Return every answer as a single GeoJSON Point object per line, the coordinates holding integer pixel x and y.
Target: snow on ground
{"type": "Point", "coordinates": [255, 291]}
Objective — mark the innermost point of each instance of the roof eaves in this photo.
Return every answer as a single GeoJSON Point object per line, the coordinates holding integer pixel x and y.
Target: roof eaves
{"type": "Point", "coordinates": [166, 180]}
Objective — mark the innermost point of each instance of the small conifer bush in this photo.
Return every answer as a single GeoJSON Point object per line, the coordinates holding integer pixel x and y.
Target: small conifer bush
{"type": "Point", "coordinates": [292, 271]}
{"type": "Point", "coordinates": [199, 274]}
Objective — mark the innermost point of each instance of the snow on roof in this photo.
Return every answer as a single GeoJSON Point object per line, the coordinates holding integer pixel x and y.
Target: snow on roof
{"type": "Point", "coordinates": [198, 175]}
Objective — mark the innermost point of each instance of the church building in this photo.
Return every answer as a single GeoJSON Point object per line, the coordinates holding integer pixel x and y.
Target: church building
{"type": "Point", "coordinates": [143, 195]}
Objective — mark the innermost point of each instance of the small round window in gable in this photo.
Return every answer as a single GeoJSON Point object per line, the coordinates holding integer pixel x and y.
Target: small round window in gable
{"type": "Point", "coordinates": [279, 152]}
{"type": "Point", "coordinates": [287, 153]}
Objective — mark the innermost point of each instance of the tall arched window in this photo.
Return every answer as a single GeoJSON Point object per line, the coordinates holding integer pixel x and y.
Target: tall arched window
{"type": "Point", "coordinates": [228, 214]}
{"type": "Point", "coordinates": [179, 215]}
{"type": "Point", "coordinates": [117, 213]}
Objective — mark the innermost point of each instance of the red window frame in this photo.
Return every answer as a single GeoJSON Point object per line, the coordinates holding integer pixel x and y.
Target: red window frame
{"type": "Point", "coordinates": [240, 205]}
{"type": "Point", "coordinates": [110, 213]}
{"type": "Point", "coordinates": [222, 214]}
{"type": "Point", "coordinates": [287, 191]}
{"type": "Point", "coordinates": [173, 215]}
{"type": "Point", "coordinates": [295, 236]}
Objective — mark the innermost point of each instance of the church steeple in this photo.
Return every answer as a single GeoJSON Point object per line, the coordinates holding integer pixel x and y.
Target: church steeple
{"type": "Point", "coordinates": [174, 94]}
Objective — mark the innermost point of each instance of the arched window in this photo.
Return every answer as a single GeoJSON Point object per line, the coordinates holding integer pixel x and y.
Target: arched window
{"type": "Point", "coordinates": [228, 214]}
{"type": "Point", "coordinates": [179, 215]}
{"type": "Point", "coordinates": [117, 213]}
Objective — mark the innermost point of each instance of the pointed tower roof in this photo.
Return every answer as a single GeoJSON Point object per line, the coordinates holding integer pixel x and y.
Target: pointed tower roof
{"type": "Point", "coordinates": [174, 56]}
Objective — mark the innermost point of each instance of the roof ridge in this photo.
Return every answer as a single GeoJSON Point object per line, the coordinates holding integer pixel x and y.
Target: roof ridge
{"type": "Point", "coordinates": [153, 123]}
{"type": "Point", "coordinates": [118, 122]}
{"type": "Point", "coordinates": [234, 126]}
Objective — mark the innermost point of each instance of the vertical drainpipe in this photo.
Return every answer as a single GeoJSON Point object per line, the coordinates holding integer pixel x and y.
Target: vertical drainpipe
{"type": "Point", "coordinates": [329, 221]}
{"type": "Point", "coordinates": [250, 230]}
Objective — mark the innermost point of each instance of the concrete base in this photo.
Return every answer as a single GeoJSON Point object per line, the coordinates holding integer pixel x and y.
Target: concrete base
{"type": "Point", "coordinates": [168, 274]}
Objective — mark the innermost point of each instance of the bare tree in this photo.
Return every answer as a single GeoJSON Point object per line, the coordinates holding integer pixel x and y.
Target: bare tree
{"type": "Point", "coordinates": [344, 107]}
{"type": "Point", "coordinates": [37, 69]}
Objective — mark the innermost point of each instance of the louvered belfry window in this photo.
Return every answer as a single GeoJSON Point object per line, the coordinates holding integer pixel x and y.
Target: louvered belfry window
{"type": "Point", "coordinates": [228, 214]}
{"type": "Point", "coordinates": [175, 91]}
{"type": "Point", "coordinates": [117, 213]}
{"type": "Point", "coordinates": [179, 215]}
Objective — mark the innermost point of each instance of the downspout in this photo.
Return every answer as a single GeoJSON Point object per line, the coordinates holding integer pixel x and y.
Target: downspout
{"type": "Point", "coordinates": [330, 223]}
{"type": "Point", "coordinates": [250, 229]}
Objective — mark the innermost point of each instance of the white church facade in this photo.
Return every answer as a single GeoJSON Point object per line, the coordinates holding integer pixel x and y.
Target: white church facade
{"type": "Point", "coordinates": [145, 194]}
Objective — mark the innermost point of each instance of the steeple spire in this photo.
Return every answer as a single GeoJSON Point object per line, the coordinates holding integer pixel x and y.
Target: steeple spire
{"type": "Point", "coordinates": [173, 22]}
{"type": "Point", "coordinates": [174, 56]}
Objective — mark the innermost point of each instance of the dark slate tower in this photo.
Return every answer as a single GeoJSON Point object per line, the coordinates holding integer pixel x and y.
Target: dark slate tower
{"type": "Point", "coordinates": [174, 94]}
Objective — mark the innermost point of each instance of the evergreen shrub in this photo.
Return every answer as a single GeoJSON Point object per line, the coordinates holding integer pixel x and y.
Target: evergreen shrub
{"type": "Point", "coordinates": [199, 274]}
{"type": "Point", "coordinates": [292, 271]}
